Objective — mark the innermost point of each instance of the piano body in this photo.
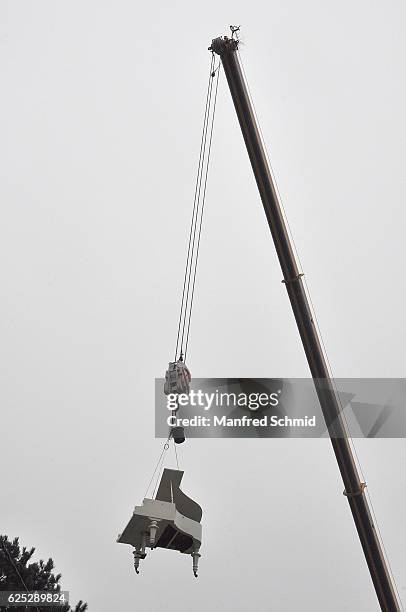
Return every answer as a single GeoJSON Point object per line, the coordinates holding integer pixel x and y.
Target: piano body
{"type": "Point", "coordinates": [171, 520]}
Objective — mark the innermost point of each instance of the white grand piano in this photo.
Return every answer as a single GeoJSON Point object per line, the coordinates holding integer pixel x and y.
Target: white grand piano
{"type": "Point", "coordinates": [171, 520]}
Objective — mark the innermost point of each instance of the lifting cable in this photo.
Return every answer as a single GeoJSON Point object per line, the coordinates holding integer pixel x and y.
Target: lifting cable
{"type": "Point", "coordinates": [199, 199]}
{"type": "Point", "coordinates": [156, 475]}
{"type": "Point", "coordinates": [195, 232]}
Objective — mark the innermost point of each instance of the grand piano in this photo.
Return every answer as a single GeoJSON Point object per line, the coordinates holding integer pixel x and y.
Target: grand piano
{"type": "Point", "coordinates": [171, 520]}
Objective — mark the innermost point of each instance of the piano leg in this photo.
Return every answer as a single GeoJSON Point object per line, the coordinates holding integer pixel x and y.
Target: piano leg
{"type": "Point", "coordinates": [195, 555]}
{"type": "Point", "coordinates": [137, 558]}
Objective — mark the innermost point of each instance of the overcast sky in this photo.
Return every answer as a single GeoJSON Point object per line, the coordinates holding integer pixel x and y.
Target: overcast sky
{"type": "Point", "coordinates": [101, 110]}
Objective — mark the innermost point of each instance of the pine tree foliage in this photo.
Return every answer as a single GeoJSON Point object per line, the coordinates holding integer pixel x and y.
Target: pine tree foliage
{"type": "Point", "coordinates": [19, 573]}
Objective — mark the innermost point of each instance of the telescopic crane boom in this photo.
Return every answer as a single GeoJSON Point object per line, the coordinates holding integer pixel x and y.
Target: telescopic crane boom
{"type": "Point", "coordinates": [354, 489]}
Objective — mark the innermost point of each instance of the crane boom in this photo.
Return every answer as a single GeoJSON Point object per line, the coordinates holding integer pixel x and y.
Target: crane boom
{"type": "Point", "coordinates": [354, 489]}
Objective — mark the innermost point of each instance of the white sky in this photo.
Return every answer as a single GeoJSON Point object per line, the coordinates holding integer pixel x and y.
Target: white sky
{"type": "Point", "coordinates": [101, 111]}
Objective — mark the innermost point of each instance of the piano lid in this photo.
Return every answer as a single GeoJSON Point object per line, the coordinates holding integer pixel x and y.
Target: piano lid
{"type": "Point", "coordinates": [169, 491]}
